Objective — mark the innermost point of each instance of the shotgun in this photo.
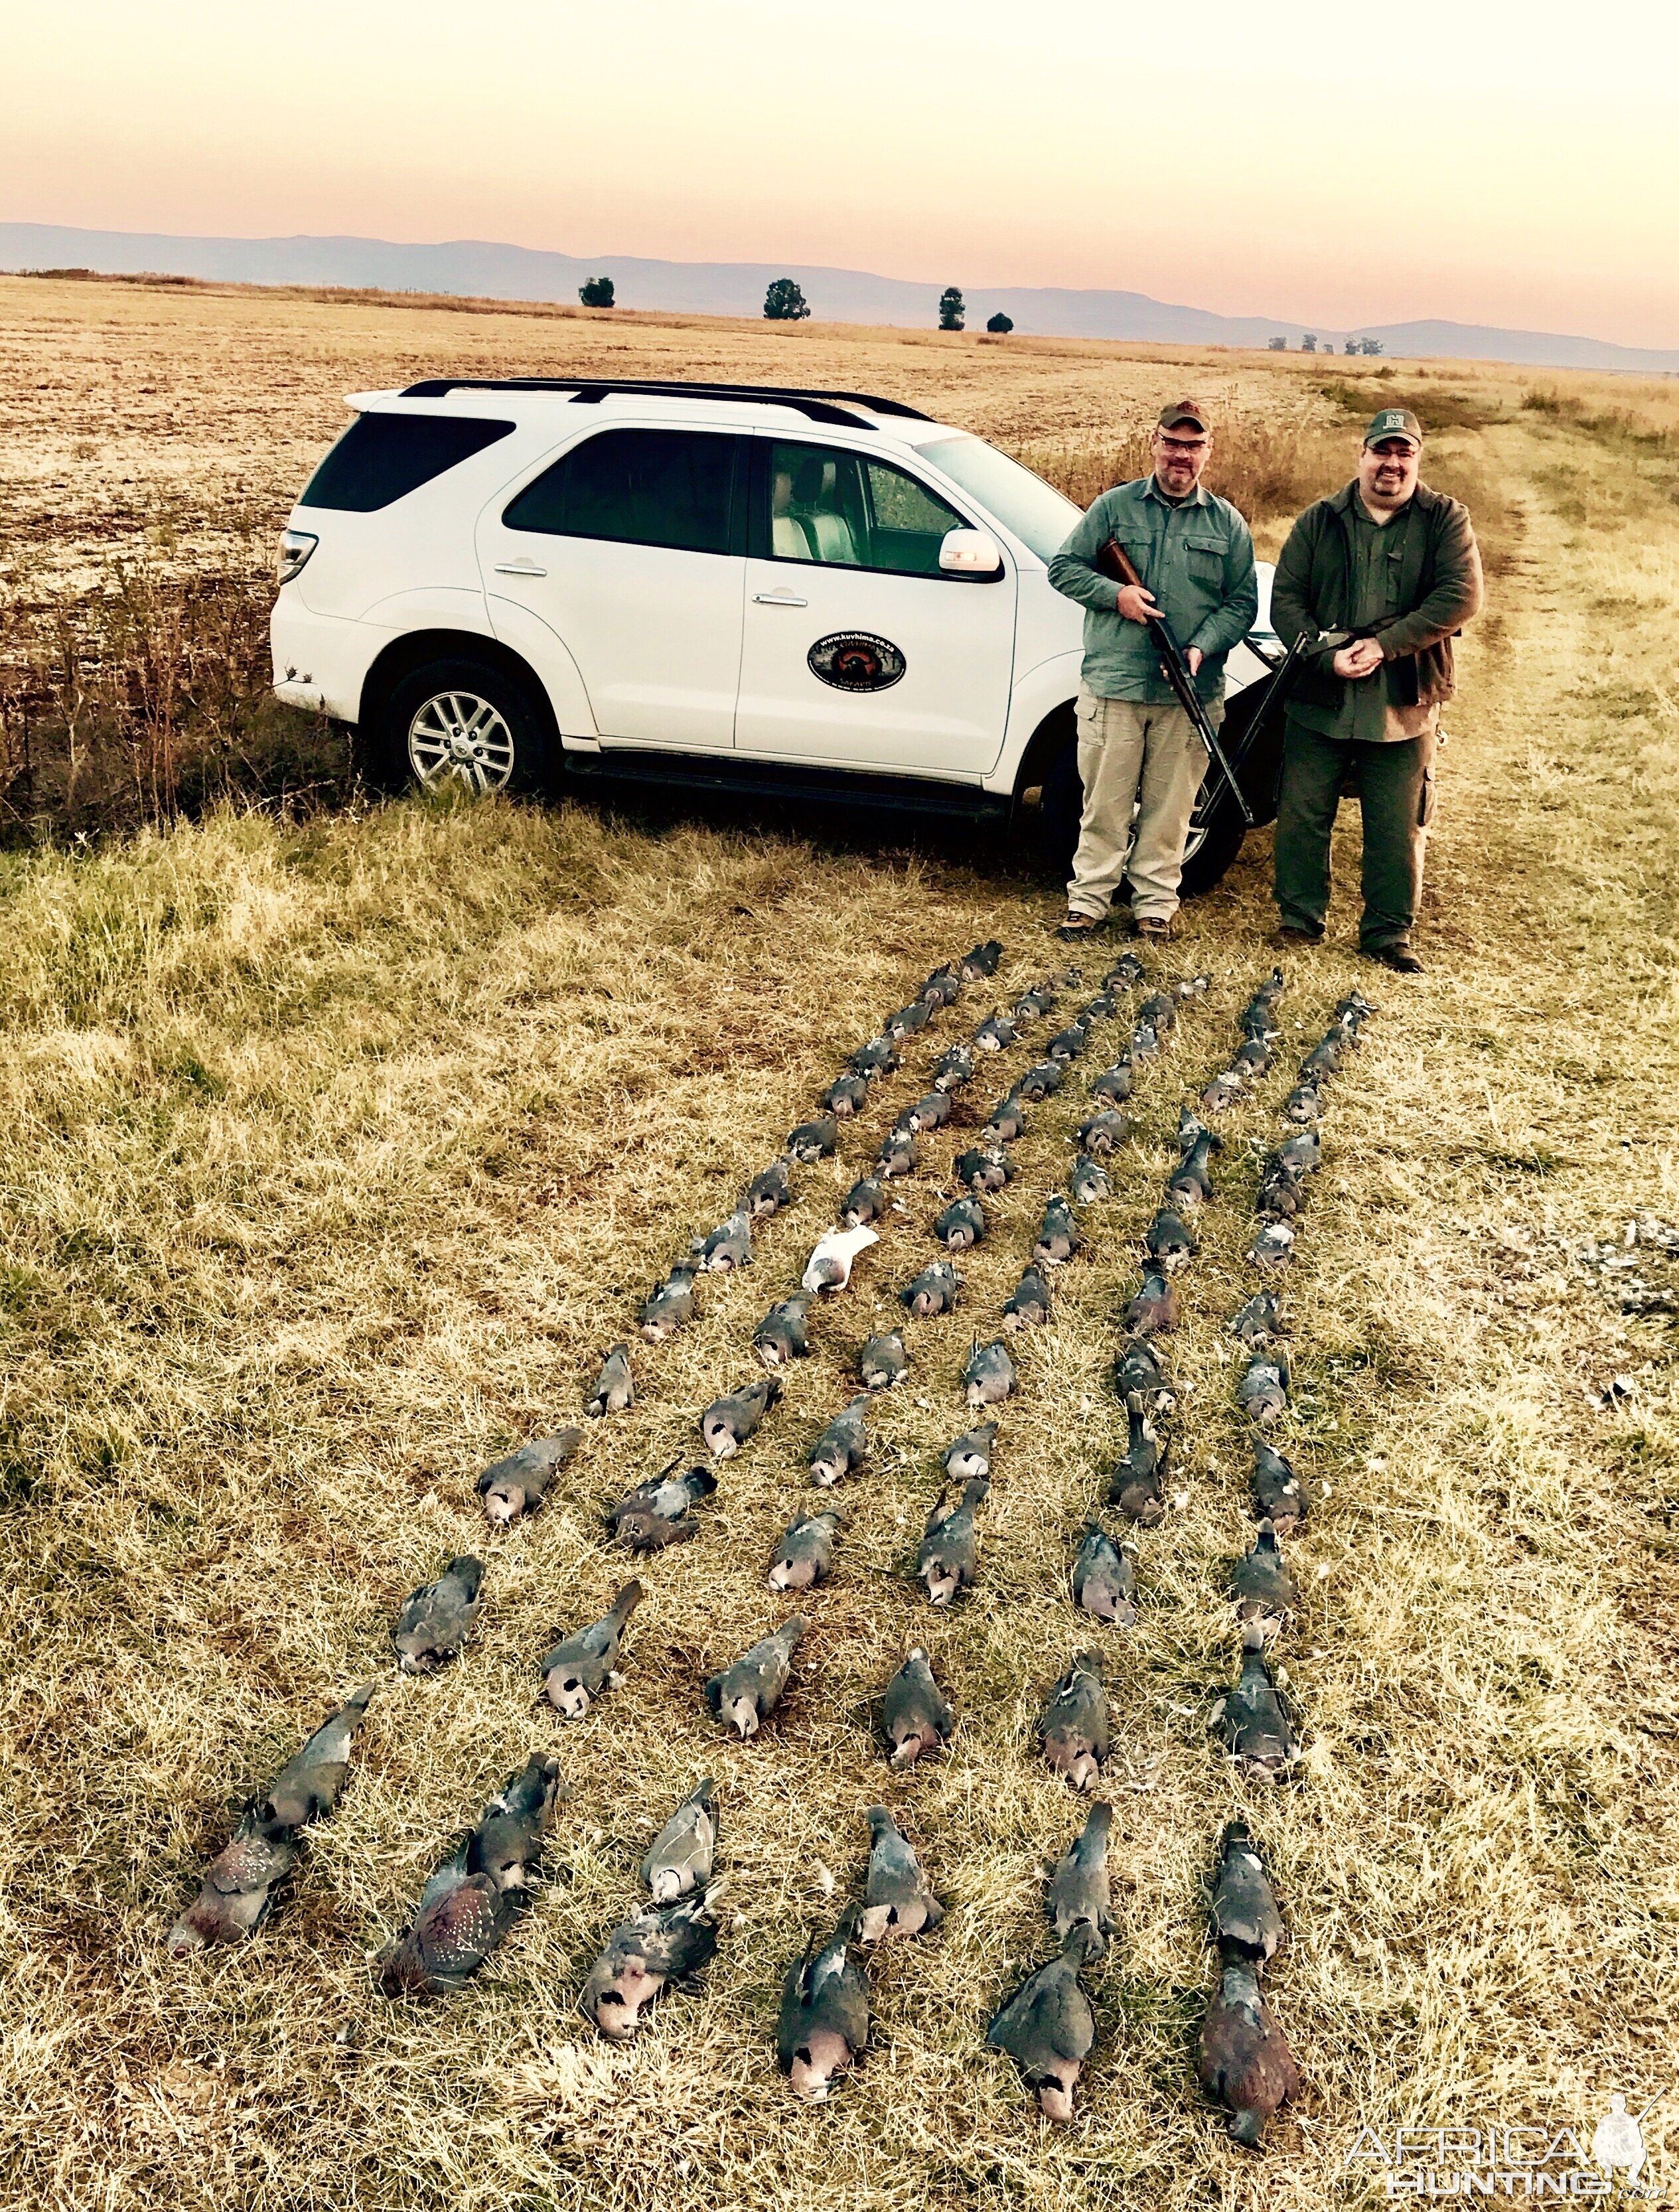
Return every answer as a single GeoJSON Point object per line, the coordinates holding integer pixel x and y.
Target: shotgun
{"type": "Point", "coordinates": [1115, 562]}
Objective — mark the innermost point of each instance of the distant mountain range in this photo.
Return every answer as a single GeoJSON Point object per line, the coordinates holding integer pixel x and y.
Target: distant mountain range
{"type": "Point", "coordinates": [471, 268]}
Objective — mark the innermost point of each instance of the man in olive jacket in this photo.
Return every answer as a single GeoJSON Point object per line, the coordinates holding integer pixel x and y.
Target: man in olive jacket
{"type": "Point", "coordinates": [1377, 580]}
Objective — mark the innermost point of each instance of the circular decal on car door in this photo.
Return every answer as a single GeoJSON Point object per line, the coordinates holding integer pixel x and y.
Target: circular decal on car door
{"type": "Point", "coordinates": [853, 661]}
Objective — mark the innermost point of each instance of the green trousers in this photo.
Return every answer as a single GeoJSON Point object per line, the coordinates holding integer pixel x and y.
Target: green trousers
{"type": "Point", "coordinates": [1396, 789]}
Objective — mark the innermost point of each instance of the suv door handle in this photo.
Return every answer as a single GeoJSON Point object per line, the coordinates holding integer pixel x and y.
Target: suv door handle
{"type": "Point", "coordinates": [519, 568]}
{"type": "Point", "coordinates": [778, 599]}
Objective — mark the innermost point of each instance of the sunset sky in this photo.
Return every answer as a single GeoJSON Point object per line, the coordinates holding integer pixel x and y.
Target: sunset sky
{"type": "Point", "coordinates": [1346, 165]}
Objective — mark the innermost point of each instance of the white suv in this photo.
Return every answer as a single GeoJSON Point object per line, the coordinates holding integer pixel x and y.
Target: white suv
{"type": "Point", "coordinates": [504, 583]}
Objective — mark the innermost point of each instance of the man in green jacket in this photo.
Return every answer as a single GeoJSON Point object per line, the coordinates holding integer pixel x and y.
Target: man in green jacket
{"type": "Point", "coordinates": [1377, 580]}
{"type": "Point", "coordinates": [1194, 556]}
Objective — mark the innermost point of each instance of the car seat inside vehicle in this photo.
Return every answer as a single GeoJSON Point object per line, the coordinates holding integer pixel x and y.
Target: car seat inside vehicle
{"type": "Point", "coordinates": [808, 503]}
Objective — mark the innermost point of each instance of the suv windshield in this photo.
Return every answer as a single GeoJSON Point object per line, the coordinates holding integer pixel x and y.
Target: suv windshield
{"type": "Point", "coordinates": [1035, 511]}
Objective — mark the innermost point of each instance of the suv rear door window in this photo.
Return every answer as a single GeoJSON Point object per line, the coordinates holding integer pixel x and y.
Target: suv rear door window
{"type": "Point", "coordinates": [670, 487]}
{"type": "Point", "coordinates": [380, 458]}
{"type": "Point", "coordinates": [846, 510]}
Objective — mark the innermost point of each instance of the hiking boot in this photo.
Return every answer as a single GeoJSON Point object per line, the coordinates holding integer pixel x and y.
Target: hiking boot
{"type": "Point", "coordinates": [1080, 925]}
{"type": "Point", "coordinates": [1399, 957]}
{"type": "Point", "coordinates": [1296, 933]}
{"type": "Point", "coordinates": [1156, 927]}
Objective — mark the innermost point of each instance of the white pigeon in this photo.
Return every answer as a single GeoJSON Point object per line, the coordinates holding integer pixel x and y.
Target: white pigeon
{"type": "Point", "coordinates": [830, 1265]}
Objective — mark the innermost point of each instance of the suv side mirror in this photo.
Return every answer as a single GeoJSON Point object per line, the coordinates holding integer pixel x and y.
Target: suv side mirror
{"type": "Point", "coordinates": [971, 553]}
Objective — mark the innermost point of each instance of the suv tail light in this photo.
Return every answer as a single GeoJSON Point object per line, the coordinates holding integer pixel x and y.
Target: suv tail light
{"type": "Point", "coordinates": [295, 547]}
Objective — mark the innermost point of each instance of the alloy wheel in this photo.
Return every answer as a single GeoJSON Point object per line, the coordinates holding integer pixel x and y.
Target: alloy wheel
{"type": "Point", "coordinates": [456, 737]}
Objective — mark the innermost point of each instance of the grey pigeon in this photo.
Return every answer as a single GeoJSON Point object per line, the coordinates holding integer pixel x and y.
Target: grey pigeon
{"type": "Point", "coordinates": [934, 1291]}
{"type": "Point", "coordinates": [239, 1884]}
{"type": "Point", "coordinates": [506, 1844]}
{"type": "Point", "coordinates": [995, 1034]}
{"type": "Point", "coordinates": [1263, 1391]}
{"type": "Point", "coordinates": [680, 1856]}
{"type": "Point", "coordinates": [436, 1619]}
{"type": "Point", "coordinates": [842, 1446]}
{"type": "Point", "coordinates": [1328, 1058]}
{"type": "Point", "coordinates": [1261, 1584]}
{"type": "Point", "coordinates": [1302, 1154]}
{"type": "Point", "coordinates": [1223, 1091]}
{"type": "Point", "coordinates": [1280, 1196]}
{"type": "Point", "coordinates": [1160, 1011]}
{"type": "Point", "coordinates": [1272, 1245]}
{"type": "Point", "coordinates": [1247, 1920]}
{"type": "Point", "coordinates": [1191, 1183]}
{"type": "Point", "coordinates": [308, 1786]}
{"type": "Point", "coordinates": [984, 1172]}
{"type": "Point", "coordinates": [1252, 1718]}
{"type": "Point", "coordinates": [908, 1020]}
{"type": "Point", "coordinates": [883, 1362]}
{"type": "Point", "coordinates": [1127, 971]}
{"type": "Point", "coordinates": [729, 1245]}
{"type": "Point", "coordinates": [583, 1664]}
{"type": "Point", "coordinates": [988, 1375]}
{"type": "Point", "coordinates": [897, 1899]}
{"type": "Point", "coordinates": [1058, 1234]}
{"type": "Point", "coordinates": [728, 1421]}
{"type": "Point", "coordinates": [1355, 1008]}
{"type": "Point", "coordinates": [1258, 1011]}
{"type": "Point", "coordinates": [1153, 1310]}
{"type": "Point", "coordinates": [642, 1959]}
{"type": "Point", "coordinates": [1103, 1580]}
{"type": "Point", "coordinates": [469, 1904]}
{"type": "Point", "coordinates": [917, 1719]}
{"type": "Point", "coordinates": [1136, 1485]}
{"type": "Point", "coordinates": [1254, 1057]}
{"type": "Point", "coordinates": [1032, 1005]}
{"type": "Point", "coordinates": [961, 1225]}
{"type": "Point", "coordinates": [969, 1455]}
{"type": "Point", "coordinates": [1048, 2027]}
{"type": "Point", "coordinates": [981, 961]}
{"type": "Point", "coordinates": [1088, 1181]}
{"type": "Point", "coordinates": [1104, 1133]}
{"type": "Point", "coordinates": [897, 1157]}
{"type": "Point", "coordinates": [769, 1189]}
{"type": "Point", "coordinates": [520, 1483]}
{"type": "Point", "coordinates": [1040, 1081]}
{"type": "Point", "coordinates": [1277, 1494]}
{"type": "Point", "coordinates": [824, 2022]}
{"type": "Point", "coordinates": [1259, 1320]}
{"type": "Point", "coordinates": [878, 1057]}
{"type": "Point", "coordinates": [780, 1338]}
{"type": "Point", "coordinates": [670, 1307]}
{"type": "Point", "coordinates": [1079, 1896]}
{"type": "Point", "coordinates": [865, 1201]}
{"type": "Point", "coordinates": [1304, 1103]}
{"type": "Point", "coordinates": [1008, 1122]}
{"type": "Point", "coordinates": [1140, 1371]}
{"type": "Point", "coordinates": [1074, 1727]}
{"type": "Point", "coordinates": [953, 1067]}
{"type": "Point", "coordinates": [929, 1113]}
{"type": "Point", "coordinates": [1102, 1009]}
{"type": "Point", "coordinates": [949, 1542]}
{"type": "Point", "coordinates": [845, 1096]}
{"type": "Point", "coordinates": [1244, 2061]}
{"type": "Point", "coordinates": [1069, 1043]}
{"type": "Point", "coordinates": [750, 1688]}
{"type": "Point", "coordinates": [1028, 1303]}
{"type": "Point", "coordinates": [1145, 1042]}
{"type": "Point", "coordinates": [614, 1392]}
{"type": "Point", "coordinates": [805, 1552]}
{"type": "Point", "coordinates": [813, 1141]}
{"type": "Point", "coordinates": [943, 987]}
{"type": "Point", "coordinates": [1169, 1241]}
{"type": "Point", "coordinates": [660, 1510]}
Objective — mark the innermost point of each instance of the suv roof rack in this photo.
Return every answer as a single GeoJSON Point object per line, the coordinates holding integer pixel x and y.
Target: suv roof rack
{"type": "Point", "coordinates": [820, 406]}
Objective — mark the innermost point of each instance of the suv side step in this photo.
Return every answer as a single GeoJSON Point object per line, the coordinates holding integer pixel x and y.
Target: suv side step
{"type": "Point", "coordinates": [778, 779]}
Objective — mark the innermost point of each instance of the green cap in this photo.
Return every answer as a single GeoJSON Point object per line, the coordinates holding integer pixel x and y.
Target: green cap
{"type": "Point", "coordinates": [1393, 423]}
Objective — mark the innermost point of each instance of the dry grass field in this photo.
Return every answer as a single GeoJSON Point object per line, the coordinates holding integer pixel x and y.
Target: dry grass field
{"type": "Point", "coordinates": [339, 1140]}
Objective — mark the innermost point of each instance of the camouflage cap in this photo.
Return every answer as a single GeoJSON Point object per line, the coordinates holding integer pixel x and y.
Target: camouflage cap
{"type": "Point", "coordinates": [1194, 412]}
{"type": "Point", "coordinates": [1393, 423]}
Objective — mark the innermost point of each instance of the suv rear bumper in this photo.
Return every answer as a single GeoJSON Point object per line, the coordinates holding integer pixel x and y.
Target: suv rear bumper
{"type": "Point", "coordinates": [320, 661]}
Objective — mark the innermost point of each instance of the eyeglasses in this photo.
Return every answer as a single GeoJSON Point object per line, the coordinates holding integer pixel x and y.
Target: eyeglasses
{"type": "Point", "coordinates": [1181, 445]}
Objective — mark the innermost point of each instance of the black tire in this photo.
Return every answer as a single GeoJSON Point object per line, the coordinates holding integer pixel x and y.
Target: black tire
{"type": "Point", "coordinates": [1216, 831]}
{"type": "Point", "coordinates": [1061, 803]}
{"type": "Point", "coordinates": [461, 724]}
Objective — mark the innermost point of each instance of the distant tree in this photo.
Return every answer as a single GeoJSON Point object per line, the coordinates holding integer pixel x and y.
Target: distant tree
{"type": "Point", "coordinates": [784, 302]}
{"type": "Point", "coordinates": [1371, 346]}
{"type": "Point", "coordinates": [1350, 346]}
{"type": "Point", "coordinates": [1000, 324]}
{"type": "Point", "coordinates": [597, 292]}
{"type": "Point", "coordinates": [952, 313]}
{"type": "Point", "coordinates": [1308, 343]}
{"type": "Point", "coordinates": [1278, 345]}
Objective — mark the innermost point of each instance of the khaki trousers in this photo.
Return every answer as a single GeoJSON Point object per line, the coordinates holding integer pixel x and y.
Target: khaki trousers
{"type": "Point", "coordinates": [1149, 759]}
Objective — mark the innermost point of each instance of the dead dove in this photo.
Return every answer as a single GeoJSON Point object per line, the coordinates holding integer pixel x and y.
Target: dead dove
{"type": "Point", "coordinates": [1104, 1133]}
{"type": "Point", "coordinates": [1145, 1042]}
{"type": "Point", "coordinates": [969, 1457]}
{"type": "Point", "coordinates": [1223, 1091]}
{"type": "Point", "coordinates": [1103, 1580]}
{"type": "Point", "coordinates": [1328, 1058]}
{"type": "Point", "coordinates": [1028, 1305]}
{"type": "Point", "coordinates": [813, 1141]}
{"type": "Point", "coordinates": [309, 1784]}
{"type": "Point", "coordinates": [506, 1844]}
{"type": "Point", "coordinates": [917, 1719]}
{"type": "Point", "coordinates": [934, 1291]}
{"type": "Point", "coordinates": [1078, 1895]}
{"type": "Point", "coordinates": [883, 1362]}
{"type": "Point", "coordinates": [1153, 1310]}
{"type": "Point", "coordinates": [643, 1958]}
{"type": "Point", "coordinates": [981, 961]}
{"type": "Point", "coordinates": [1169, 1240]}
{"type": "Point", "coordinates": [829, 1267]}
{"type": "Point", "coordinates": [897, 1157]}
{"type": "Point", "coordinates": [729, 1245]}
{"type": "Point", "coordinates": [1058, 1234]}
{"type": "Point", "coordinates": [750, 1689]}
{"type": "Point", "coordinates": [436, 1619]}
{"type": "Point", "coordinates": [995, 1034]}
{"type": "Point", "coordinates": [984, 1172]}
{"type": "Point", "coordinates": [239, 1884]}
{"type": "Point", "coordinates": [845, 1096]}
{"type": "Point", "coordinates": [946, 1560]}
{"type": "Point", "coordinates": [1074, 1727]}
{"type": "Point", "coordinates": [520, 1483]}
{"type": "Point", "coordinates": [728, 1422]}
{"type": "Point", "coordinates": [780, 1338]}
{"type": "Point", "coordinates": [1277, 1495]}
{"type": "Point", "coordinates": [1280, 1197]}
{"type": "Point", "coordinates": [769, 1189]}
{"type": "Point", "coordinates": [1136, 1485]}
{"type": "Point", "coordinates": [908, 1021]}
{"type": "Point", "coordinates": [1261, 1584]}
{"type": "Point", "coordinates": [865, 1201]}
{"type": "Point", "coordinates": [842, 1446]}
{"type": "Point", "coordinates": [1191, 1184]}
{"type": "Point", "coordinates": [824, 2022]}
{"type": "Point", "coordinates": [680, 1857]}
{"type": "Point", "coordinates": [1113, 1084]}
{"type": "Point", "coordinates": [1247, 1920]}
{"type": "Point", "coordinates": [670, 1307]}
{"type": "Point", "coordinates": [943, 987]}
{"type": "Point", "coordinates": [583, 1664]}
{"type": "Point", "coordinates": [1033, 1005]}
{"type": "Point", "coordinates": [1263, 1391]}
{"type": "Point", "coordinates": [1259, 1320]}
{"type": "Point", "coordinates": [1254, 1058]}
{"type": "Point", "coordinates": [1355, 1008]}
{"type": "Point", "coordinates": [1040, 1081]}
{"type": "Point", "coordinates": [1008, 1122]}
{"type": "Point", "coordinates": [961, 1225]}
{"type": "Point", "coordinates": [878, 1057]}
{"type": "Point", "coordinates": [1088, 1181]}
{"type": "Point", "coordinates": [1244, 2061]}
{"type": "Point", "coordinates": [897, 1899]}
{"type": "Point", "coordinates": [1252, 1718]}
{"type": "Point", "coordinates": [1069, 1043]}
{"type": "Point", "coordinates": [805, 1552]}
{"type": "Point", "coordinates": [1047, 2026]}
{"type": "Point", "coordinates": [614, 1392]}
{"type": "Point", "coordinates": [660, 1511]}
{"type": "Point", "coordinates": [988, 1376]}
{"type": "Point", "coordinates": [1140, 1371]}
{"type": "Point", "coordinates": [929, 1113]}
{"type": "Point", "coordinates": [1302, 1154]}
{"type": "Point", "coordinates": [1304, 1103]}
{"type": "Point", "coordinates": [1195, 986]}
{"type": "Point", "coordinates": [1272, 1245]}
{"type": "Point", "coordinates": [1257, 1013]}
{"type": "Point", "coordinates": [1127, 970]}
{"type": "Point", "coordinates": [1160, 1011]}
{"type": "Point", "coordinates": [460, 1919]}
{"type": "Point", "coordinates": [953, 1067]}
